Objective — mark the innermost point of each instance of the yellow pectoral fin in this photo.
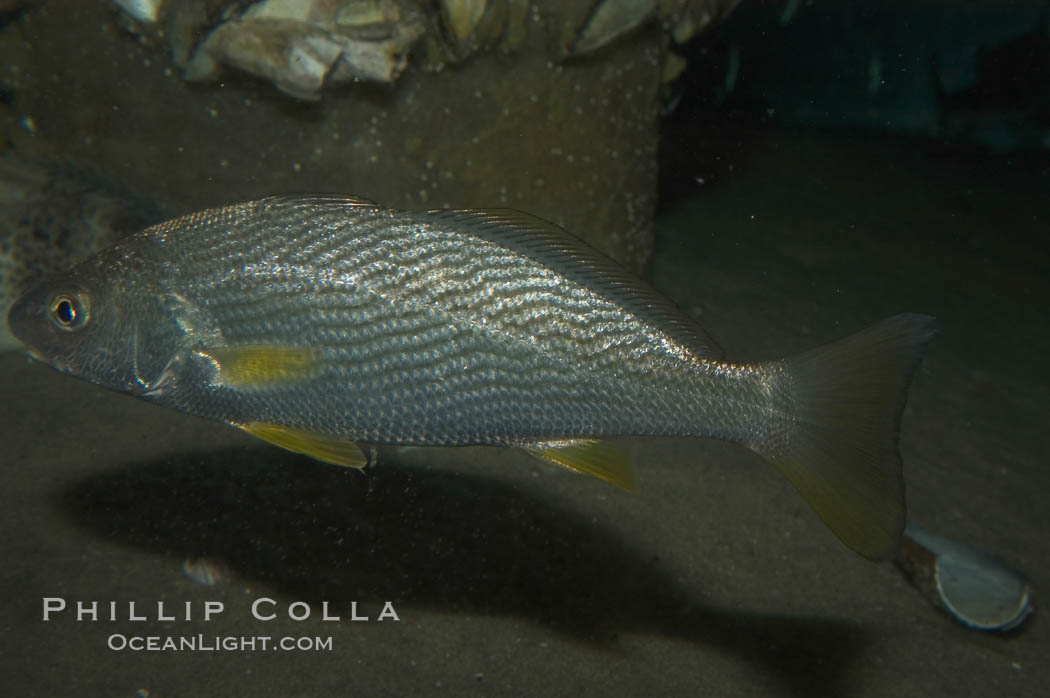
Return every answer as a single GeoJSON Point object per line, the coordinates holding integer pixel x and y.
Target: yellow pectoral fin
{"type": "Point", "coordinates": [590, 457]}
{"type": "Point", "coordinates": [256, 365]}
{"type": "Point", "coordinates": [324, 448]}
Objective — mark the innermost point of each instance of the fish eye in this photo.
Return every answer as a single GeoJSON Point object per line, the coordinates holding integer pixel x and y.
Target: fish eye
{"type": "Point", "coordinates": [68, 312]}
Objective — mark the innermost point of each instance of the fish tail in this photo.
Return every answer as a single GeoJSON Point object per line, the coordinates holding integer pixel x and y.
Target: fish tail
{"type": "Point", "coordinates": [840, 447]}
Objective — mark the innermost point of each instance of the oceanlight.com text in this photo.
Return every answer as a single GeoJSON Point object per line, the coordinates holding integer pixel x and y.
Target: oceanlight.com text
{"type": "Point", "coordinates": [217, 643]}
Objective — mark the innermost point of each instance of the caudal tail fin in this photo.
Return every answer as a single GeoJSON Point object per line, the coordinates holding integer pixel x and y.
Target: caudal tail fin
{"type": "Point", "coordinates": [841, 452]}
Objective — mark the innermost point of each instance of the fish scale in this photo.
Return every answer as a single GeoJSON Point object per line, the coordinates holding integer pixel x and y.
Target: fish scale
{"type": "Point", "coordinates": [315, 322]}
{"type": "Point", "coordinates": [553, 322]}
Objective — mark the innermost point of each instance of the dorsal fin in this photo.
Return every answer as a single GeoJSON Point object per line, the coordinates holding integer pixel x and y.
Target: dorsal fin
{"type": "Point", "coordinates": [309, 200]}
{"type": "Point", "coordinates": [554, 247]}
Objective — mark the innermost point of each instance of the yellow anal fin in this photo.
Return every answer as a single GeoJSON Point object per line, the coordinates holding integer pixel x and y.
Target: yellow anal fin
{"type": "Point", "coordinates": [590, 457]}
{"type": "Point", "coordinates": [324, 448]}
{"type": "Point", "coordinates": [256, 365]}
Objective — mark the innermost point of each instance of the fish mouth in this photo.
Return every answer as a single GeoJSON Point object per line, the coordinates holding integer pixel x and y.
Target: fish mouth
{"type": "Point", "coordinates": [27, 348]}
{"type": "Point", "coordinates": [36, 355]}
{"type": "Point", "coordinates": [24, 317]}
{"type": "Point", "coordinates": [57, 365]}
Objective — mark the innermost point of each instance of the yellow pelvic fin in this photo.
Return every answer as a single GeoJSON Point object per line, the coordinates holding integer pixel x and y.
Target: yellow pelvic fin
{"type": "Point", "coordinates": [257, 365]}
{"type": "Point", "coordinates": [590, 457]}
{"type": "Point", "coordinates": [324, 448]}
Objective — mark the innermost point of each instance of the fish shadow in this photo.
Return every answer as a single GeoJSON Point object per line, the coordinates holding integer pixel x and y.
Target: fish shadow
{"type": "Point", "coordinates": [437, 540]}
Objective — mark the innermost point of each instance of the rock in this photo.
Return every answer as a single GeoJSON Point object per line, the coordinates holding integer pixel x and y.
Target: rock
{"type": "Point", "coordinates": [304, 45]}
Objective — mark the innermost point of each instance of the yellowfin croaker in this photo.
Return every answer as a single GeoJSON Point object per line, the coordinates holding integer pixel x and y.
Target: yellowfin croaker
{"type": "Point", "coordinates": [318, 322]}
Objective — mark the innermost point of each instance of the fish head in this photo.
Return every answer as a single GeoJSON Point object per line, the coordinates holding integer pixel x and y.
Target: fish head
{"type": "Point", "coordinates": [102, 322]}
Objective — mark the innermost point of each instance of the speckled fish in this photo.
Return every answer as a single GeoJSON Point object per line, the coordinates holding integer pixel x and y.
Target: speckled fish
{"type": "Point", "coordinates": [318, 322]}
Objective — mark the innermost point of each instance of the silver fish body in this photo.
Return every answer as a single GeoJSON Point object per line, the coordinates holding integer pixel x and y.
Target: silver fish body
{"type": "Point", "coordinates": [336, 320]}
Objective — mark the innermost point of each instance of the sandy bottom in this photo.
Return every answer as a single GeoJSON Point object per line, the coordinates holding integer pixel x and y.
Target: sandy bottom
{"type": "Point", "coordinates": [513, 578]}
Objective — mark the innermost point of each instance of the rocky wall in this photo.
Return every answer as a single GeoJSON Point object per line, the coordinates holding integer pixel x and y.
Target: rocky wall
{"type": "Point", "coordinates": [550, 107]}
